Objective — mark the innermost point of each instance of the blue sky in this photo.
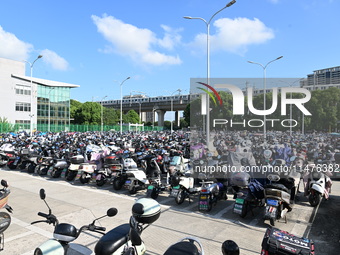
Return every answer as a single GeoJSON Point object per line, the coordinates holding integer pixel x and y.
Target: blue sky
{"type": "Point", "coordinates": [97, 44]}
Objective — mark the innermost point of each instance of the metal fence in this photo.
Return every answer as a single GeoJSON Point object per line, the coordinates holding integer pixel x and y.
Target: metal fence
{"type": "Point", "coordinates": [7, 127]}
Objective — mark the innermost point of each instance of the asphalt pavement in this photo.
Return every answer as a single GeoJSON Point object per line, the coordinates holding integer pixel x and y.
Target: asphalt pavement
{"type": "Point", "coordinates": [79, 204]}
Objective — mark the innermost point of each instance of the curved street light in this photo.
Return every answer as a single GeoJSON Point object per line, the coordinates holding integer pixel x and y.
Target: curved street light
{"type": "Point", "coordinates": [208, 64]}
{"type": "Point", "coordinates": [31, 99]}
{"type": "Point", "coordinates": [264, 92]}
{"type": "Point", "coordinates": [172, 106]}
{"type": "Point", "coordinates": [121, 105]}
{"type": "Point", "coordinates": [102, 124]}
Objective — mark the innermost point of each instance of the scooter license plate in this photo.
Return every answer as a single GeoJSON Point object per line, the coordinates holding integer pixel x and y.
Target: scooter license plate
{"type": "Point", "coordinates": [239, 201]}
{"type": "Point", "coordinates": [127, 182]}
{"type": "Point", "coordinates": [203, 197]}
{"type": "Point", "coordinates": [272, 202]}
{"type": "Point", "coordinates": [150, 187]}
{"type": "Point", "coordinates": [174, 192]}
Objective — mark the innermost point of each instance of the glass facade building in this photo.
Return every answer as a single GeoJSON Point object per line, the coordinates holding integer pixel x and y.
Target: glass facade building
{"type": "Point", "coordinates": [53, 105]}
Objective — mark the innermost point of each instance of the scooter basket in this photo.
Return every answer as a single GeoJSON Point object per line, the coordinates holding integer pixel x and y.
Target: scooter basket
{"type": "Point", "coordinates": [279, 242]}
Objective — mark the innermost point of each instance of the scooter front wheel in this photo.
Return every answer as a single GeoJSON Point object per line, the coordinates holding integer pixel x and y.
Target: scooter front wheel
{"type": "Point", "coordinates": [100, 180]}
{"type": "Point", "coordinates": [83, 179]}
{"type": "Point", "coordinates": [179, 199]}
{"type": "Point", "coordinates": [314, 198]}
{"type": "Point", "coordinates": [117, 183]}
{"type": "Point", "coordinates": [70, 175]}
{"type": "Point", "coordinates": [55, 173]}
{"type": "Point", "coordinates": [12, 166]}
{"type": "Point", "coordinates": [31, 168]}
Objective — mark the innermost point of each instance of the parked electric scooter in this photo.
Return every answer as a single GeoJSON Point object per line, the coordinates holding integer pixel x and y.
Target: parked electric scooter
{"type": "Point", "coordinates": [44, 165]}
{"type": "Point", "coordinates": [277, 198]}
{"type": "Point", "coordinates": [249, 193]}
{"type": "Point", "coordinates": [317, 187]}
{"type": "Point", "coordinates": [65, 233]}
{"type": "Point", "coordinates": [58, 167]}
{"type": "Point", "coordinates": [5, 218]}
{"type": "Point", "coordinates": [6, 150]}
{"type": "Point", "coordinates": [112, 167]}
{"type": "Point", "coordinates": [73, 169]}
{"type": "Point", "coordinates": [182, 186]}
{"type": "Point", "coordinates": [210, 193]}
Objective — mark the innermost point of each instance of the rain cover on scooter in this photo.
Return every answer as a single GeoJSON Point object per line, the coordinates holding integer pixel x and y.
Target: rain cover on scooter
{"type": "Point", "coordinates": [236, 158]}
{"type": "Point", "coordinates": [276, 241]}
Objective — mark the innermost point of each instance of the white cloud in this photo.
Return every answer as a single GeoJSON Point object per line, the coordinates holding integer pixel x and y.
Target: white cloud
{"type": "Point", "coordinates": [171, 38]}
{"type": "Point", "coordinates": [13, 48]}
{"type": "Point", "coordinates": [235, 35]}
{"type": "Point", "coordinates": [137, 43]}
{"type": "Point", "coordinates": [53, 59]}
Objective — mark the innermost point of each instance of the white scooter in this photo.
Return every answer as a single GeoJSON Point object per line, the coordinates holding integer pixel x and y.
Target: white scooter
{"type": "Point", "coordinates": [317, 187]}
{"type": "Point", "coordinates": [64, 233]}
{"type": "Point", "coordinates": [124, 239]}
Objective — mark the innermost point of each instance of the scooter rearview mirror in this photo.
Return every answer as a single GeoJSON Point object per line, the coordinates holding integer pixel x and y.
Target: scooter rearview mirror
{"type": "Point", "coordinates": [4, 183]}
{"type": "Point", "coordinates": [42, 194]}
{"type": "Point", "coordinates": [112, 212]}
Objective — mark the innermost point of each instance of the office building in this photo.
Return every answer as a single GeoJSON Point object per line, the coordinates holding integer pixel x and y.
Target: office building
{"type": "Point", "coordinates": [25, 99]}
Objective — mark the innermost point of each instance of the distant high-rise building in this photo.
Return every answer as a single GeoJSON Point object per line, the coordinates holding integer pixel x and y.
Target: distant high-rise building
{"type": "Point", "coordinates": [322, 79]}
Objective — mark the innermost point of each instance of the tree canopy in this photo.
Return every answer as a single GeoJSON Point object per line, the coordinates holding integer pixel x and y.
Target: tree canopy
{"type": "Point", "coordinates": [90, 113]}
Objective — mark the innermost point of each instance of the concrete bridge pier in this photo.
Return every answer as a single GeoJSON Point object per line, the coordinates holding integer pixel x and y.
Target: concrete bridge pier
{"type": "Point", "coordinates": [160, 115]}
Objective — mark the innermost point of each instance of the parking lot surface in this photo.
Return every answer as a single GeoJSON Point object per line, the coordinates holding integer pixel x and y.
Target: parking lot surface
{"type": "Point", "coordinates": [79, 204]}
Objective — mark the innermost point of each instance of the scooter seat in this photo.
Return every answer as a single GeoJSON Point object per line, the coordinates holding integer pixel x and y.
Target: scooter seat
{"type": "Point", "coordinates": [277, 186]}
{"type": "Point", "coordinates": [182, 248]}
{"type": "Point", "coordinates": [112, 240]}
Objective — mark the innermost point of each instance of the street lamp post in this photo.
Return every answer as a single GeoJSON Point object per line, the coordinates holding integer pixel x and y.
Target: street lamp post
{"type": "Point", "coordinates": [153, 117]}
{"type": "Point", "coordinates": [31, 99]}
{"type": "Point", "coordinates": [290, 109]}
{"type": "Point", "coordinates": [102, 124]}
{"type": "Point", "coordinates": [208, 65]}
{"type": "Point", "coordinates": [49, 109]}
{"type": "Point", "coordinates": [172, 106]}
{"type": "Point", "coordinates": [121, 105]}
{"type": "Point", "coordinates": [264, 92]}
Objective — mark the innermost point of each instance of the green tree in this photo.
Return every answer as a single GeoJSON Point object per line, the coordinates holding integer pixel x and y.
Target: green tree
{"type": "Point", "coordinates": [131, 117]}
{"type": "Point", "coordinates": [183, 123]}
{"type": "Point", "coordinates": [75, 110]}
{"type": "Point", "coordinates": [90, 113]}
{"type": "Point", "coordinates": [167, 124]}
{"type": "Point", "coordinates": [110, 116]}
{"type": "Point", "coordinates": [186, 114]}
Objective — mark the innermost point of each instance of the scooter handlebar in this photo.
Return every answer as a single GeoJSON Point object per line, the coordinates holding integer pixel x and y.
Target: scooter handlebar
{"type": "Point", "coordinates": [50, 218]}
{"type": "Point", "coordinates": [100, 228]}
{"type": "Point", "coordinates": [43, 214]}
